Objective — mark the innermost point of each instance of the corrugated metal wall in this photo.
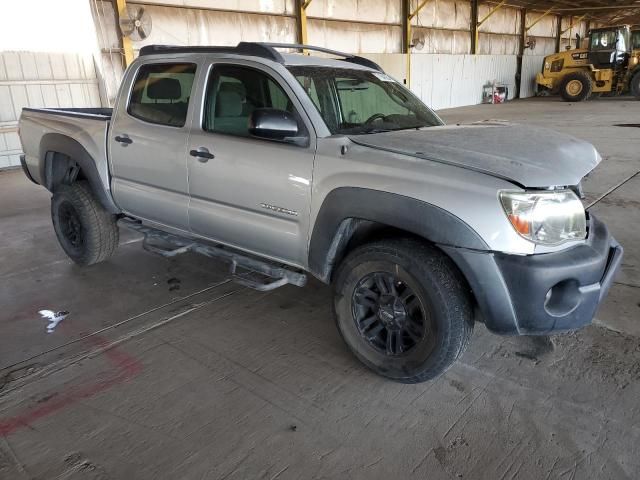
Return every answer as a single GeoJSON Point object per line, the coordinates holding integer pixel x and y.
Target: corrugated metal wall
{"type": "Point", "coordinates": [30, 79]}
{"type": "Point", "coordinates": [531, 64]}
{"type": "Point", "coordinates": [446, 81]}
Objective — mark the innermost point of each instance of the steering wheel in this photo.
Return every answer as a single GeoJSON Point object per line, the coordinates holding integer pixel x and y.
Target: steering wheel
{"type": "Point", "coordinates": [374, 117]}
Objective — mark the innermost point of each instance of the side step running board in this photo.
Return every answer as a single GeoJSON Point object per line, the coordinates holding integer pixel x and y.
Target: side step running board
{"type": "Point", "coordinates": [276, 276]}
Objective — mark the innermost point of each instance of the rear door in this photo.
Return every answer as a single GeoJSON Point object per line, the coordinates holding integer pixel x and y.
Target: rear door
{"type": "Point", "coordinates": [148, 141]}
{"type": "Point", "coordinates": [250, 193]}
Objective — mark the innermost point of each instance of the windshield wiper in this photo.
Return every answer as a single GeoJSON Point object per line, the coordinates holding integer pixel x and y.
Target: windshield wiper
{"type": "Point", "coordinates": [376, 130]}
{"type": "Point", "coordinates": [413, 127]}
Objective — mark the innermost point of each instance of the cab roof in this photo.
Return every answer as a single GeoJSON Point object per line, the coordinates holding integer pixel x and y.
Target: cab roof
{"type": "Point", "coordinates": [269, 51]}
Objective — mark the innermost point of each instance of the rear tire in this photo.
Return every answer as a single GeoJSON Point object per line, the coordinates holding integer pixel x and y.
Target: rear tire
{"type": "Point", "coordinates": [576, 87]}
{"type": "Point", "coordinates": [86, 231]}
{"type": "Point", "coordinates": [403, 308]}
{"type": "Point", "coordinates": [634, 85]}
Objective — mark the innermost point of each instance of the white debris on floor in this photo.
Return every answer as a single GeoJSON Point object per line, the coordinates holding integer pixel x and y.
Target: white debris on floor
{"type": "Point", "coordinates": [54, 318]}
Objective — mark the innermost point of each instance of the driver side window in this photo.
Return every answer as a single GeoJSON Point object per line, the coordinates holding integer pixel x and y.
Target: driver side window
{"type": "Point", "coordinates": [234, 92]}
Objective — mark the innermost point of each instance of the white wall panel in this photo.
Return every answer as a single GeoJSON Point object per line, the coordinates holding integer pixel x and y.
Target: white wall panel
{"type": "Point", "coordinates": [545, 26]}
{"type": "Point", "coordinates": [179, 26]}
{"type": "Point", "coordinates": [544, 46]}
{"type": "Point", "coordinates": [442, 41]}
{"type": "Point", "coordinates": [447, 14]}
{"type": "Point", "coordinates": [380, 11]}
{"type": "Point", "coordinates": [446, 81]}
{"type": "Point", "coordinates": [34, 79]}
{"type": "Point", "coordinates": [354, 37]}
{"type": "Point", "coordinates": [531, 64]}
{"type": "Point", "coordinates": [497, 44]}
{"type": "Point", "coordinates": [263, 6]}
{"type": "Point", "coordinates": [505, 20]}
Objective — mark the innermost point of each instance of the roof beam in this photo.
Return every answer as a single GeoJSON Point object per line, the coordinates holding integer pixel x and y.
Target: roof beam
{"type": "Point", "coordinates": [573, 23]}
{"type": "Point", "coordinates": [537, 20]}
{"type": "Point", "coordinates": [491, 12]}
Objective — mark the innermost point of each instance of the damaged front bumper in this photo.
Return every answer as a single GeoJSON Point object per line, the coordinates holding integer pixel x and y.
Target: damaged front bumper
{"type": "Point", "coordinates": [543, 293]}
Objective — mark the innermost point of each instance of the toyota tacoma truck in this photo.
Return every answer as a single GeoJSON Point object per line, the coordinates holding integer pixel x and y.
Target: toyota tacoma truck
{"type": "Point", "coordinates": [288, 165]}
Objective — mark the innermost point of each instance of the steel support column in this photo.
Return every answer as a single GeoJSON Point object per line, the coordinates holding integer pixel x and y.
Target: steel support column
{"type": "Point", "coordinates": [127, 47]}
{"type": "Point", "coordinates": [407, 33]}
{"type": "Point", "coordinates": [406, 26]}
{"type": "Point", "coordinates": [521, 45]}
{"type": "Point", "coordinates": [301, 20]}
{"type": "Point", "coordinates": [558, 32]}
{"type": "Point", "coordinates": [474, 26]}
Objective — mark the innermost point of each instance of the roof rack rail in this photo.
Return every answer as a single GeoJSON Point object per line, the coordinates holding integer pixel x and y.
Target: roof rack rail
{"type": "Point", "coordinates": [257, 49]}
{"type": "Point", "coordinates": [348, 57]}
{"type": "Point", "coordinates": [253, 49]}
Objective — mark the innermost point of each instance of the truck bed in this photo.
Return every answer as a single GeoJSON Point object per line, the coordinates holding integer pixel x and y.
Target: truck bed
{"type": "Point", "coordinates": [42, 130]}
{"type": "Point", "coordinates": [103, 114]}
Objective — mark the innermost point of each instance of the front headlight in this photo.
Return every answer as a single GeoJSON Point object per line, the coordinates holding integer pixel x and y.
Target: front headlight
{"type": "Point", "coordinates": [548, 218]}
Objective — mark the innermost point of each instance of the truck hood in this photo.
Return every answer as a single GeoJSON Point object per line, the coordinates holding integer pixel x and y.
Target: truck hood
{"type": "Point", "coordinates": [528, 156]}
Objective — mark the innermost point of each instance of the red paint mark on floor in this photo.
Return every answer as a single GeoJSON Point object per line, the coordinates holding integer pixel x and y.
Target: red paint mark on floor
{"type": "Point", "coordinates": [124, 367]}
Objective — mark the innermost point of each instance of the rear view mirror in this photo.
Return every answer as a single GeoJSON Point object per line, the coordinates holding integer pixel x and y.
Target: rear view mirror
{"type": "Point", "coordinates": [275, 124]}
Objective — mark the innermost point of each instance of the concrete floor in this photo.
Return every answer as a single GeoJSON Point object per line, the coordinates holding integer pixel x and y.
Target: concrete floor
{"type": "Point", "coordinates": [165, 369]}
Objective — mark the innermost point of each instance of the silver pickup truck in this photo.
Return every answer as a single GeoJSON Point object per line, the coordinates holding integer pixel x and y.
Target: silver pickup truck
{"type": "Point", "coordinates": [288, 165]}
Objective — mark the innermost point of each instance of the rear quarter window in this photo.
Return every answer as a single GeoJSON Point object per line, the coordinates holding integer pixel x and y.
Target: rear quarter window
{"type": "Point", "coordinates": [161, 93]}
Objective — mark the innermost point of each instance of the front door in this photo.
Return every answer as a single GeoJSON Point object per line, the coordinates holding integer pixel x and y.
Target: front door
{"type": "Point", "coordinates": [247, 192]}
{"type": "Point", "coordinates": [148, 144]}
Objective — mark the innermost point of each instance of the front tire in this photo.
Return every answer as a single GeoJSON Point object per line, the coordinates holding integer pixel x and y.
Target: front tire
{"type": "Point", "coordinates": [403, 308]}
{"type": "Point", "coordinates": [576, 87]}
{"type": "Point", "coordinates": [86, 231]}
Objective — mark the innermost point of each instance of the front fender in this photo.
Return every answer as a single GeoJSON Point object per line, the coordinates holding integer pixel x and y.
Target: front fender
{"type": "Point", "coordinates": [344, 207]}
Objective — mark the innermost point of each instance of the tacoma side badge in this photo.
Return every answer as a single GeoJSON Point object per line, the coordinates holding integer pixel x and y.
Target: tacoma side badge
{"type": "Point", "coordinates": [279, 209]}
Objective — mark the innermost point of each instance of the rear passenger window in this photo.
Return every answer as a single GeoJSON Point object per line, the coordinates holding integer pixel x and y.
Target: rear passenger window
{"type": "Point", "coordinates": [161, 93]}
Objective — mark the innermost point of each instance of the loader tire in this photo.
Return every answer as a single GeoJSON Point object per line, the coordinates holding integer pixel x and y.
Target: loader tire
{"type": "Point", "coordinates": [576, 87]}
{"type": "Point", "coordinates": [634, 85]}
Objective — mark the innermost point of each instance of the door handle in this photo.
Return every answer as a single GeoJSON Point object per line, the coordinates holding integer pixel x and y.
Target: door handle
{"type": "Point", "coordinates": [123, 139]}
{"type": "Point", "coordinates": [202, 154]}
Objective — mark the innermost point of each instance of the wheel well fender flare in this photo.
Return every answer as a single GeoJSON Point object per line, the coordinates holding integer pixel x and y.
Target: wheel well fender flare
{"type": "Point", "coordinates": [52, 169]}
{"type": "Point", "coordinates": [345, 209]}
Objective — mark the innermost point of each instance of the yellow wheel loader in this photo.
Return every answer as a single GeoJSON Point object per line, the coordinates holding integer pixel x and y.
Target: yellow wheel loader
{"type": "Point", "coordinates": [610, 64]}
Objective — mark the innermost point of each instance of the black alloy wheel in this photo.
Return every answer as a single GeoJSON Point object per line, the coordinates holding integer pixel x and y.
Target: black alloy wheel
{"type": "Point", "coordinates": [70, 225]}
{"type": "Point", "coordinates": [388, 314]}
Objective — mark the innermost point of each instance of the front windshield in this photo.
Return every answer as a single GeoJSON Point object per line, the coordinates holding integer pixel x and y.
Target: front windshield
{"type": "Point", "coordinates": [604, 40]}
{"type": "Point", "coordinates": [354, 101]}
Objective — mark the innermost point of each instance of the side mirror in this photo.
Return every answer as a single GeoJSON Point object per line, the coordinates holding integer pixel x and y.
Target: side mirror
{"type": "Point", "coordinates": [274, 124]}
